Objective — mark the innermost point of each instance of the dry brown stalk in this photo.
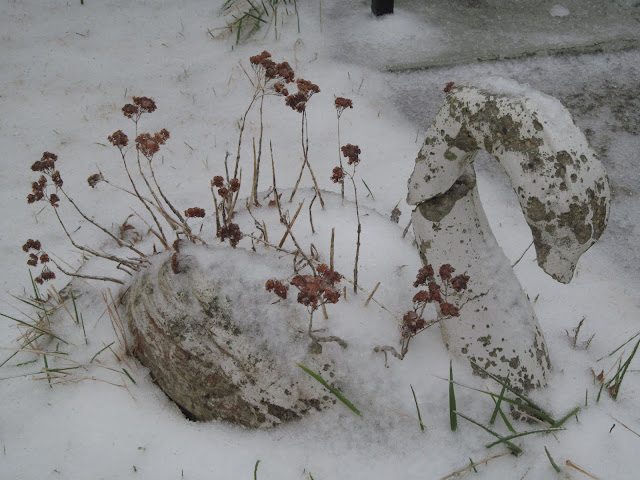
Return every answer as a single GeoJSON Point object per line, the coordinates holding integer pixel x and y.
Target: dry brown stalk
{"type": "Point", "coordinates": [373, 292]}
{"type": "Point", "coordinates": [331, 249]}
{"type": "Point", "coordinates": [581, 470]}
{"type": "Point", "coordinates": [290, 224]}
{"type": "Point", "coordinates": [475, 464]}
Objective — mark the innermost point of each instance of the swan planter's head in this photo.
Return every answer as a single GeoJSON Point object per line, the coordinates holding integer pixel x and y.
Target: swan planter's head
{"type": "Point", "coordinates": [564, 194]}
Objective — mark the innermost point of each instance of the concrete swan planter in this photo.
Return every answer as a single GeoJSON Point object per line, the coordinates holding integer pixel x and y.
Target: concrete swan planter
{"type": "Point", "coordinates": [564, 194]}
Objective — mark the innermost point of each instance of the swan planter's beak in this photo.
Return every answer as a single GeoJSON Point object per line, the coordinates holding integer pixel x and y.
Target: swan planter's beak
{"type": "Point", "coordinates": [564, 194]}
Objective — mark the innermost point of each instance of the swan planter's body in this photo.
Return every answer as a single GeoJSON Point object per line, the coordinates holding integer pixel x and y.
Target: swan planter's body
{"type": "Point", "coordinates": [564, 194]}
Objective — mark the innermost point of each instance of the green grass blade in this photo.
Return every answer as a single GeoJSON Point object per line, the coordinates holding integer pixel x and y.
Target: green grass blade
{"type": "Point", "coordinates": [497, 407]}
{"type": "Point", "coordinates": [75, 308]}
{"type": "Point", "coordinates": [36, 292]}
{"type": "Point", "coordinates": [453, 418]}
{"type": "Point", "coordinates": [255, 470]}
{"type": "Point", "coordinates": [614, 351]}
{"type": "Point", "coordinates": [368, 189]}
{"type": "Point", "coordinates": [504, 417]}
{"type": "Point", "coordinates": [417, 408]}
{"type": "Point", "coordinates": [473, 466]}
{"type": "Point", "coordinates": [38, 329]}
{"type": "Point", "coordinates": [524, 434]}
{"type": "Point", "coordinates": [566, 417]}
{"type": "Point", "coordinates": [100, 351]}
{"type": "Point", "coordinates": [333, 390]}
{"type": "Point", "coordinates": [553, 464]}
{"type": "Point", "coordinates": [514, 448]}
{"type": "Point", "coordinates": [130, 377]}
{"type": "Point", "coordinates": [46, 366]}
{"type": "Point", "coordinates": [530, 405]}
{"type": "Point", "coordinates": [624, 371]}
{"type": "Point", "coordinates": [31, 304]}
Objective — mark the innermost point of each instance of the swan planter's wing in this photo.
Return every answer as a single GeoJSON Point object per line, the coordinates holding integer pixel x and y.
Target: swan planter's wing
{"type": "Point", "coordinates": [564, 194]}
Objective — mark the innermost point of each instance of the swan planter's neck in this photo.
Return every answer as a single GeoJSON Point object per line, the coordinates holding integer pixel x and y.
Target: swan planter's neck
{"type": "Point", "coordinates": [564, 194]}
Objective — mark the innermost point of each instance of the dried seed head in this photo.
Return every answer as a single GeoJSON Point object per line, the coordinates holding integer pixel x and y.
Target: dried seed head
{"type": "Point", "coordinates": [424, 274]}
{"type": "Point", "coordinates": [445, 271]}
{"type": "Point", "coordinates": [56, 179]}
{"type": "Point", "coordinates": [232, 232]}
{"type": "Point", "coordinates": [131, 111]}
{"type": "Point", "coordinates": [338, 175]}
{"type": "Point", "coordinates": [352, 152]}
{"type": "Point", "coordinates": [194, 212]}
{"type": "Point", "coordinates": [53, 200]}
{"type": "Point", "coordinates": [29, 244]}
{"type": "Point", "coordinates": [449, 310]}
{"type": "Point", "coordinates": [234, 185]}
{"type": "Point", "coordinates": [223, 192]}
{"type": "Point", "coordinates": [95, 179]}
{"type": "Point", "coordinates": [145, 104]}
{"type": "Point", "coordinates": [342, 104]}
{"type": "Point", "coordinates": [217, 181]}
{"type": "Point", "coordinates": [119, 139]}
{"type": "Point", "coordinates": [459, 282]}
{"type": "Point", "coordinates": [46, 163]}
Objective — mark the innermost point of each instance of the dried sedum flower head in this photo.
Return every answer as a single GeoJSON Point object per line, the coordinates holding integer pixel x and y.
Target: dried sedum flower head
{"type": "Point", "coordinates": [46, 163]}
{"type": "Point", "coordinates": [298, 101]}
{"type": "Point", "coordinates": [232, 232]}
{"type": "Point", "coordinates": [352, 152]}
{"type": "Point", "coordinates": [95, 179]}
{"type": "Point", "coordinates": [338, 175]}
{"type": "Point", "coordinates": [445, 271]}
{"type": "Point", "coordinates": [149, 144]}
{"type": "Point", "coordinates": [194, 212]}
{"type": "Point", "coordinates": [234, 185]}
{"type": "Point", "coordinates": [118, 139]}
{"type": "Point", "coordinates": [217, 181]}
{"type": "Point", "coordinates": [145, 104]}
{"type": "Point", "coordinates": [424, 274]}
{"type": "Point", "coordinates": [277, 287]}
{"type": "Point", "coordinates": [31, 244]}
{"type": "Point", "coordinates": [342, 104]}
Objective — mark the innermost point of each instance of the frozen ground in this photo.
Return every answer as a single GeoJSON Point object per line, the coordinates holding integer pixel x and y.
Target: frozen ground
{"type": "Point", "coordinates": [67, 70]}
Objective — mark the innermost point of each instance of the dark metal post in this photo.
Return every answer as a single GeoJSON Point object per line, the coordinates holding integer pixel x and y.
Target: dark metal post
{"type": "Point", "coordinates": [381, 7]}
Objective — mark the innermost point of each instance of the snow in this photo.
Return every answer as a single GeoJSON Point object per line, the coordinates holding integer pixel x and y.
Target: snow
{"type": "Point", "coordinates": [559, 11]}
{"type": "Point", "coordinates": [66, 72]}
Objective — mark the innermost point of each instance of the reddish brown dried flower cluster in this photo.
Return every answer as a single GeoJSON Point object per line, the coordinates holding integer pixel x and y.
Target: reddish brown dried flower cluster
{"type": "Point", "coordinates": [194, 212]}
{"type": "Point", "coordinates": [217, 181]}
{"type": "Point", "coordinates": [277, 287]}
{"type": "Point", "coordinates": [434, 293]}
{"type": "Point", "coordinates": [43, 258]}
{"type": "Point", "coordinates": [232, 232]}
{"type": "Point", "coordinates": [318, 289]}
{"type": "Point", "coordinates": [424, 274]}
{"type": "Point", "coordinates": [37, 189]}
{"type": "Point", "coordinates": [271, 69]}
{"type": "Point", "coordinates": [448, 86]}
{"type": "Point", "coordinates": [352, 152]}
{"type": "Point", "coordinates": [149, 145]}
{"type": "Point", "coordinates": [46, 163]}
{"type": "Point", "coordinates": [224, 189]}
{"type": "Point", "coordinates": [31, 244]}
{"type": "Point", "coordinates": [412, 324]}
{"type": "Point", "coordinates": [306, 89]}
{"type": "Point", "coordinates": [118, 139]}
{"type": "Point", "coordinates": [140, 105]}
{"type": "Point", "coordinates": [95, 179]}
{"type": "Point", "coordinates": [338, 175]}
{"type": "Point", "coordinates": [342, 104]}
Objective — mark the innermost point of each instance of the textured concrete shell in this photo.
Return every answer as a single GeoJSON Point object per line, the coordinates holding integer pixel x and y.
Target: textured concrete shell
{"type": "Point", "coordinates": [564, 194]}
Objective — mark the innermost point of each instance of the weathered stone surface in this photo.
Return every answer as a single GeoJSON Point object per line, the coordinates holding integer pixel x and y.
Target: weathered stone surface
{"type": "Point", "coordinates": [563, 192]}
{"type": "Point", "coordinates": [214, 343]}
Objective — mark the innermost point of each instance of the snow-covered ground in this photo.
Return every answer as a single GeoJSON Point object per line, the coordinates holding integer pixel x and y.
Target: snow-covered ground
{"type": "Point", "coordinates": [66, 72]}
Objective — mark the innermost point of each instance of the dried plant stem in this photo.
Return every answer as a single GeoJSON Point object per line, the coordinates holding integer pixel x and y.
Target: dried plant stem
{"type": "Point", "coordinates": [318, 339]}
{"type": "Point", "coordinates": [119, 241]}
{"type": "Point", "coordinates": [355, 268]}
{"type": "Point", "coordinates": [242, 125]}
{"type": "Point", "coordinates": [340, 159]}
{"type": "Point", "coordinates": [289, 225]}
{"type": "Point", "coordinates": [305, 154]}
{"type": "Point", "coordinates": [406, 229]}
{"type": "Point", "coordinates": [88, 277]}
{"type": "Point", "coordinates": [134, 265]}
{"type": "Point", "coordinates": [313, 230]}
{"type": "Point", "coordinates": [162, 238]}
{"type": "Point", "coordinates": [256, 172]}
{"type": "Point", "coordinates": [331, 248]}
{"type": "Point", "coordinates": [373, 292]}
{"type": "Point", "coordinates": [580, 469]}
{"type": "Point", "coordinates": [275, 188]}
{"type": "Point", "coordinates": [474, 465]}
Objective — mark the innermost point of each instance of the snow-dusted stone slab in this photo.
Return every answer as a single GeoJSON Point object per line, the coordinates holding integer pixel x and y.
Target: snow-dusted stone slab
{"type": "Point", "coordinates": [216, 345]}
{"type": "Point", "coordinates": [564, 194]}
